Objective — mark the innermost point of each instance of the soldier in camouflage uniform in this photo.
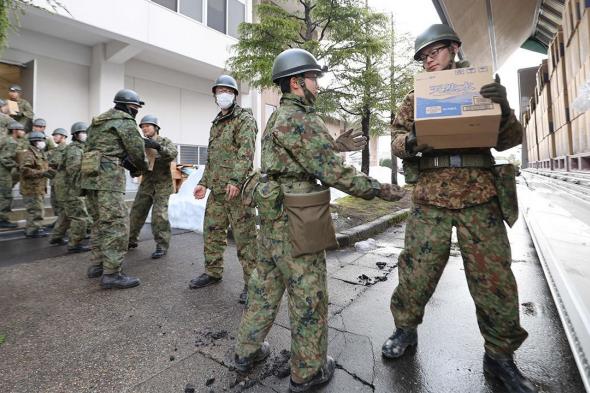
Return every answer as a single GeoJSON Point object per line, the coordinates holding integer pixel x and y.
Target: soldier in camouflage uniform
{"type": "Point", "coordinates": [8, 166]}
{"type": "Point", "coordinates": [463, 196]}
{"type": "Point", "coordinates": [296, 152]}
{"type": "Point", "coordinates": [74, 216]}
{"type": "Point", "coordinates": [115, 143]}
{"type": "Point", "coordinates": [25, 110]}
{"type": "Point", "coordinates": [34, 172]}
{"type": "Point", "coordinates": [57, 185]}
{"type": "Point", "coordinates": [230, 158]}
{"type": "Point", "coordinates": [40, 125]}
{"type": "Point", "coordinates": [154, 190]}
{"type": "Point", "coordinates": [5, 120]}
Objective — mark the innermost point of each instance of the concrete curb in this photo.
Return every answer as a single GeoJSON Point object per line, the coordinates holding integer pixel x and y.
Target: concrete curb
{"type": "Point", "coordinates": [348, 237]}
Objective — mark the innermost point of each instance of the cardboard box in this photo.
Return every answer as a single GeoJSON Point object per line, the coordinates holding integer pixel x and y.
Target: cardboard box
{"type": "Point", "coordinates": [449, 112]}
{"type": "Point", "coordinates": [12, 107]}
{"type": "Point", "coordinates": [151, 155]}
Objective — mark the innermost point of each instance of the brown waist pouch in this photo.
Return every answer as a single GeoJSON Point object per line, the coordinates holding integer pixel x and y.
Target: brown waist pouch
{"type": "Point", "coordinates": [310, 223]}
{"type": "Point", "coordinates": [505, 179]}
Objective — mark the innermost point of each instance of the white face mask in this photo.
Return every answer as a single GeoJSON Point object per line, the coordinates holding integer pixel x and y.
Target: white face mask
{"type": "Point", "coordinates": [40, 145]}
{"type": "Point", "coordinates": [224, 100]}
{"type": "Point", "coordinates": [82, 136]}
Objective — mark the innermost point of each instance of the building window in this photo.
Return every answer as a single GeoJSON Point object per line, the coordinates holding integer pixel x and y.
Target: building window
{"type": "Point", "coordinates": [216, 14]}
{"type": "Point", "coordinates": [170, 4]}
{"type": "Point", "coordinates": [193, 155]}
{"type": "Point", "coordinates": [192, 8]}
{"type": "Point", "coordinates": [236, 14]}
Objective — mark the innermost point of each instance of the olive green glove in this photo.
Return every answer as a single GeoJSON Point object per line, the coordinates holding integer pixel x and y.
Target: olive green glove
{"type": "Point", "coordinates": [350, 141]}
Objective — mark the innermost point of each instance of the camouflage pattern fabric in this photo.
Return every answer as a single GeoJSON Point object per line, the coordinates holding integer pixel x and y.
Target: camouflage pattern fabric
{"type": "Point", "coordinates": [115, 134]}
{"type": "Point", "coordinates": [78, 220]}
{"type": "Point", "coordinates": [219, 214]}
{"type": "Point", "coordinates": [154, 192]}
{"type": "Point", "coordinates": [5, 120]}
{"type": "Point", "coordinates": [486, 257]}
{"type": "Point", "coordinates": [464, 198]}
{"type": "Point", "coordinates": [7, 165]}
{"type": "Point", "coordinates": [230, 158]}
{"type": "Point", "coordinates": [452, 188]}
{"type": "Point", "coordinates": [57, 184]}
{"type": "Point", "coordinates": [25, 115]}
{"type": "Point", "coordinates": [296, 150]}
{"type": "Point", "coordinates": [33, 185]}
{"type": "Point", "coordinates": [111, 228]}
{"type": "Point", "coordinates": [34, 208]}
{"type": "Point", "coordinates": [230, 153]}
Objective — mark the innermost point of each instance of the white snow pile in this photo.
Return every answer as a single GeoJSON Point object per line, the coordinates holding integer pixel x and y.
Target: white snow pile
{"type": "Point", "coordinates": [184, 211]}
{"type": "Point", "coordinates": [366, 245]}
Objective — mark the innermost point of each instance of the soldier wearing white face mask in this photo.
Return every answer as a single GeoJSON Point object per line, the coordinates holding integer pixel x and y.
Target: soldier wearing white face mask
{"type": "Point", "coordinates": [229, 161]}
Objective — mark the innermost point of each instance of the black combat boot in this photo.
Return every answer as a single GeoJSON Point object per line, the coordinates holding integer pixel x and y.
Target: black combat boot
{"type": "Point", "coordinates": [396, 345]}
{"type": "Point", "coordinates": [506, 371]}
{"type": "Point", "coordinates": [131, 244]}
{"type": "Point", "coordinates": [159, 253]}
{"type": "Point", "coordinates": [79, 248]}
{"type": "Point", "coordinates": [247, 363]}
{"type": "Point", "coordinates": [94, 271]}
{"type": "Point", "coordinates": [37, 233]}
{"type": "Point", "coordinates": [324, 375]}
{"type": "Point", "coordinates": [202, 281]}
{"type": "Point", "coordinates": [244, 295]}
{"type": "Point", "coordinates": [118, 281]}
{"type": "Point", "coordinates": [7, 224]}
{"type": "Point", "coordinates": [58, 242]}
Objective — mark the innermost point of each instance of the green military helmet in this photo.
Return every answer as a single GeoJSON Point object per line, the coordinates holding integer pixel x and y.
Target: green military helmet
{"type": "Point", "coordinates": [128, 96]}
{"type": "Point", "coordinates": [79, 126]}
{"type": "Point", "coordinates": [294, 61]}
{"type": "Point", "coordinates": [39, 123]}
{"type": "Point", "coordinates": [150, 119]}
{"type": "Point", "coordinates": [15, 125]}
{"type": "Point", "coordinates": [36, 136]}
{"type": "Point", "coordinates": [59, 131]}
{"type": "Point", "coordinates": [15, 87]}
{"type": "Point", "coordinates": [434, 33]}
{"type": "Point", "coordinates": [227, 81]}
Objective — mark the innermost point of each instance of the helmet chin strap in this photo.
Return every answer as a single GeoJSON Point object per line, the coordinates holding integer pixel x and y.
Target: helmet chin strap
{"type": "Point", "coordinates": [308, 95]}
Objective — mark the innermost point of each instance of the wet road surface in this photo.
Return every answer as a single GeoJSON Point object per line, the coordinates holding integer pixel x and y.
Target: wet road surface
{"type": "Point", "coordinates": [65, 334]}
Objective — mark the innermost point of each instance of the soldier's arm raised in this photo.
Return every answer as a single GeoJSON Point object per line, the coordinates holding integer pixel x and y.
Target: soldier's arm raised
{"type": "Point", "coordinates": [401, 126]}
{"type": "Point", "coordinates": [246, 139]}
{"type": "Point", "coordinates": [510, 134]}
{"type": "Point", "coordinates": [26, 109]}
{"type": "Point", "coordinates": [134, 144]}
{"type": "Point", "coordinates": [310, 147]}
{"type": "Point", "coordinates": [168, 151]}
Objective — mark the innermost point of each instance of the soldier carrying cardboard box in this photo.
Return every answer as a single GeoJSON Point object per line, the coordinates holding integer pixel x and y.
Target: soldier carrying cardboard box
{"type": "Point", "coordinates": [459, 187]}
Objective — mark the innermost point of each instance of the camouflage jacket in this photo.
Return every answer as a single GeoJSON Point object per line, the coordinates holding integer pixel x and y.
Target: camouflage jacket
{"type": "Point", "coordinates": [25, 114]}
{"type": "Point", "coordinates": [159, 180]}
{"type": "Point", "coordinates": [70, 166]}
{"type": "Point", "coordinates": [297, 145]}
{"type": "Point", "coordinates": [452, 188]}
{"type": "Point", "coordinates": [230, 155]}
{"type": "Point", "coordinates": [32, 170]}
{"type": "Point", "coordinates": [115, 135]}
{"type": "Point", "coordinates": [8, 157]}
{"type": "Point", "coordinates": [5, 120]}
{"type": "Point", "coordinates": [58, 183]}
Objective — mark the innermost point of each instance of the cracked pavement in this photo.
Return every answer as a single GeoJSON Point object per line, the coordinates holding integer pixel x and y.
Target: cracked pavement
{"type": "Point", "coordinates": [64, 334]}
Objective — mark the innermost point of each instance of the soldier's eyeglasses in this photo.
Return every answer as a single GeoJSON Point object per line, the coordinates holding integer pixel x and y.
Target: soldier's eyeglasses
{"type": "Point", "coordinates": [433, 53]}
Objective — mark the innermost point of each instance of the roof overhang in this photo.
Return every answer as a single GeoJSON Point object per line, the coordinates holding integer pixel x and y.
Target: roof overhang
{"type": "Point", "coordinates": [492, 30]}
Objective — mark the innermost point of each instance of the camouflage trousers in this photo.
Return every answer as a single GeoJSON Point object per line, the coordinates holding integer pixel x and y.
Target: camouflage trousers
{"type": "Point", "coordinates": [34, 207]}
{"type": "Point", "coordinates": [160, 223]}
{"type": "Point", "coordinates": [73, 217]}
{"type": "Point", "coordinates": [110, 231]}
{"type": "Point", "coordinates": [304, 278]}
{"type": "Point", "coordinates": [219, 214]}
{"type": "Point", "coordinates": [56, 205]}
{"type": "Point", "coordinates": [5, 196]}
{"type": "Point", "coordinates": [486, 258]}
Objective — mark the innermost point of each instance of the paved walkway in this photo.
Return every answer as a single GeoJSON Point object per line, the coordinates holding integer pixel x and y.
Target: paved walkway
{"type": "Point", "coordinates": [64, 334]}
